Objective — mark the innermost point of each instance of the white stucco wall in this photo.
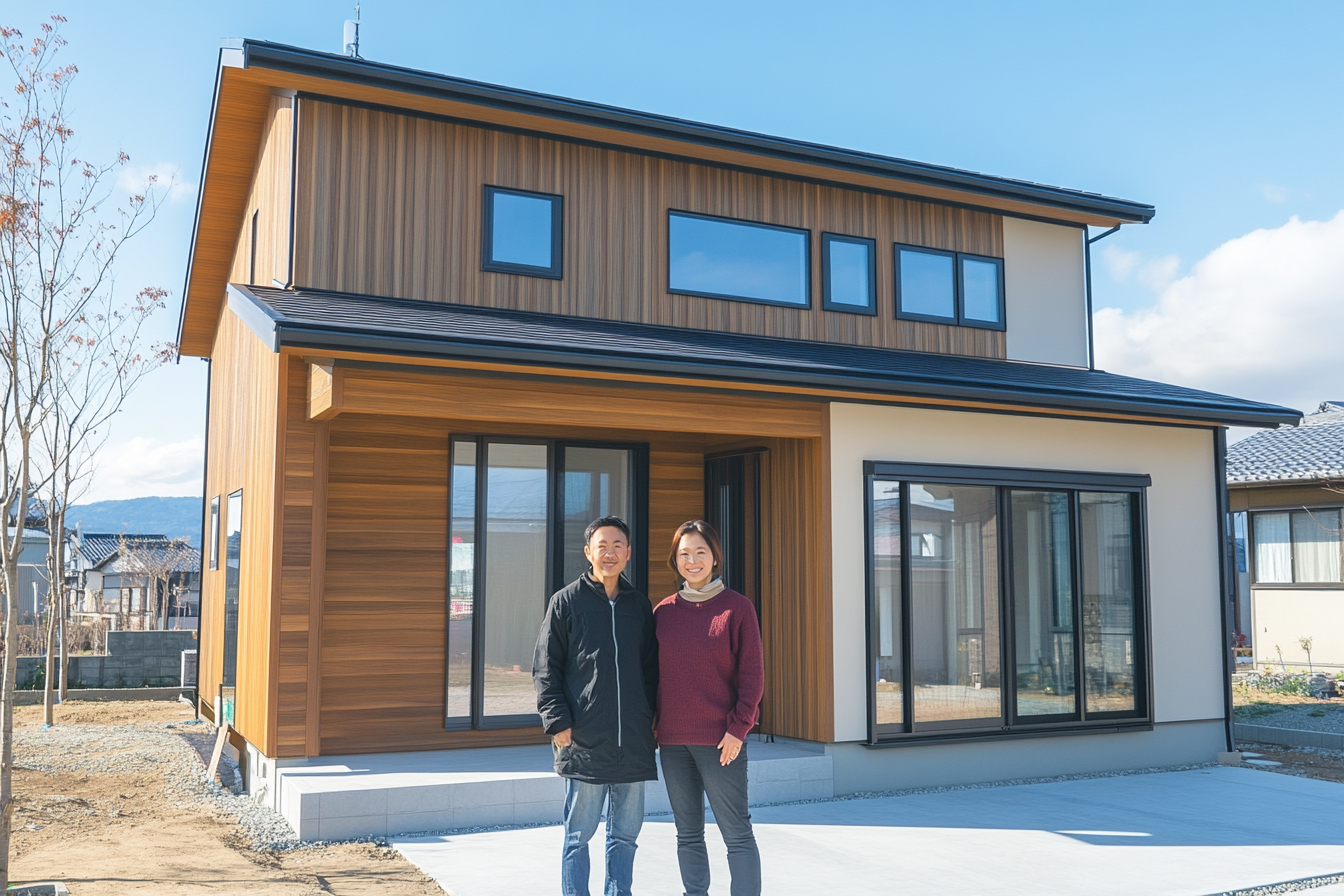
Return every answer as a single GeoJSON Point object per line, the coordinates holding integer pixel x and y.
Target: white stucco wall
{"type": "Point", "coordinates": [1284, 617]}
{"type": "Point", "coordinates": [1182, 530]}
{"type": "Point", "coordinates": [1044, 292]}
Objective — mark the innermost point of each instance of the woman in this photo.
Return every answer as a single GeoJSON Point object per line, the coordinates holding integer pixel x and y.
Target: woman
{"type": "Point", "coordinates": [709, 695]}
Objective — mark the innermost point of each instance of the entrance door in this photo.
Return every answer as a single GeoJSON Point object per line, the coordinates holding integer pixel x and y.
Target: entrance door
{"type": "Point", "coordinates": [519, 509]}
{"type": "Point", "coordinates": [733, 508]}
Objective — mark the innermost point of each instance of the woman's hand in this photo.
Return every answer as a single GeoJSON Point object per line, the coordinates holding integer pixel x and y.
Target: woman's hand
{"type": "Point", "coordinates": [728, 748]}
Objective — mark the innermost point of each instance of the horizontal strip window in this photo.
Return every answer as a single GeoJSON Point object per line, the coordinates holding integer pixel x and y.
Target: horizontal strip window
{"type": "Point", "coordinates": [848, 274]}
{"type": "Point", "coordinates": [1298, 547]}
{"type": "Point", "coordinates": [523, 233]}
{"type": "Point", "coordinates": [943, 287]}
{"type": "Point", "coordinates": [1003, 607]}
{"type": "Point", "coordinates": [746, 261]}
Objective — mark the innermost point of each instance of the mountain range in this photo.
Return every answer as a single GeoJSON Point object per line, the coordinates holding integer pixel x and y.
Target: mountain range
{"type": "Point", "coordinates": [174, 517]}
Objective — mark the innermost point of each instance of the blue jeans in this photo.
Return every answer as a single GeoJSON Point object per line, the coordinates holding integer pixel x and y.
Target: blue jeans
{"type": "Point", "coordinates": [691, 774]}
{"type": "Point", "coordinates": [583, 812]}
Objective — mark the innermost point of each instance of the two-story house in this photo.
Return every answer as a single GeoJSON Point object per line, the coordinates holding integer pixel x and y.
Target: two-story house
{"type": "Point", "coordinates": [448, 323]}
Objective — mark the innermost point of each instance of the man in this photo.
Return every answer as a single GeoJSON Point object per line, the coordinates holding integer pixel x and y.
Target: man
{"type": "Point", "coordinates": [596, 674]}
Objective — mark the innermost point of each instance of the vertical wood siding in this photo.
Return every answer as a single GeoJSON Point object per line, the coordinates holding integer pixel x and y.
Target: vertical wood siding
{"type": "Point", "coordinates": [390, 204]}
{"type": "Point", "coordinates": [269, 198]}
{"type": "Point", "coordinates": [244, 385]}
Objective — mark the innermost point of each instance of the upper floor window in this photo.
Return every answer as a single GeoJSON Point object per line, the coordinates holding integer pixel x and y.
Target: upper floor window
{"type": "Point", "coordinates": [1299, 546]}
{"type": "Point", "coordinates": [949, 287]}
{"type": "Point", "coordinates": [522, 233]}
{"type": "Point", "coordinates": [848, 274]}
{"type": "Point", "coordinates": [723, 258]}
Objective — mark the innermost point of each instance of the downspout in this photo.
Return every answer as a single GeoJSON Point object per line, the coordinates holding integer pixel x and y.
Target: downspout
{"type": "Point", "coordinates": [205, 533]}
{"type": "Point", "coordinates": [1087, 273]}
{"type": "Point", "coordinates": [1224, 577]}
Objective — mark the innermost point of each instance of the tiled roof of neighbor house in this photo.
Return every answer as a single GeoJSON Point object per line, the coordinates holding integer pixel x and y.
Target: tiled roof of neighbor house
{"type": "Point", "coordinates": [1313, 451]}
{"type": "Point", "coordinates": [175, 556]}
{"type": "Point", "coordinates": [100, 547]}
{"type": "Point", "coordinates": [335, 321]}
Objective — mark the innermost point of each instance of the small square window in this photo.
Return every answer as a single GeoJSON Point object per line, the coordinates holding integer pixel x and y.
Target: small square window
{"type": "Point", "coordinates": [981, 292]}
{"type": "Point", "coordinates": [522, 233]}
{"type": "Point", "coordinates": [926, 285]}
{"type": "Point", "coordinates": [848, 274]}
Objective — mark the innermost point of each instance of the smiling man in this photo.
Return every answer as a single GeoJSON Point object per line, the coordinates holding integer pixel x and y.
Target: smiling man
{"type": "Point", "coordinates": [596, 674]}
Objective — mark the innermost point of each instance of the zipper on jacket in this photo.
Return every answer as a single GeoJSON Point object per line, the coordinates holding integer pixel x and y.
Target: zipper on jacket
{"type": "Point", "coordinates": [618, 673]}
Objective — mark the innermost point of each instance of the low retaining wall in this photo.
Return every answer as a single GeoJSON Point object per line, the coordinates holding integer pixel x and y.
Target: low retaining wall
{"type": "Point", "coordinates": [133, 660]}
{"type": "Point", "coordinates": [34, 698]}
{"type": "Point", "coordinates": [1290, 737]}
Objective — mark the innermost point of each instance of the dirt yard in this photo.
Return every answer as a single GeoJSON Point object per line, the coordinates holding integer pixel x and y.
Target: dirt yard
{"type": "Point", "coordinates": [97, 811]}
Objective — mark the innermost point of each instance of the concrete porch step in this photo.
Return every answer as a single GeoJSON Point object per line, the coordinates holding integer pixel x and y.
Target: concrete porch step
{"type": "Point", "coordinates": [334, 798]}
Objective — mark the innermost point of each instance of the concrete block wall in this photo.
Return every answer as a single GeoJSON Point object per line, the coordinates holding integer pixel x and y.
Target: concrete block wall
{"type": "Point", "coordinates": [133, 660]}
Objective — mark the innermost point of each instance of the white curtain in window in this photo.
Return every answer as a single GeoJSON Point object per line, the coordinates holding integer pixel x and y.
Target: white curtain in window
{"type": "Point", "coordinates": [1273, 549]}
{"type": "Point", "coordinates": [1316, 544]}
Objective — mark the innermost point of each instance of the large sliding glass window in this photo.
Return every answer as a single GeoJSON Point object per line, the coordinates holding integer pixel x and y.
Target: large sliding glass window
{"type": "Point", "coordinates": [1298, 547]}
{"type": "Point", "coordinates": [518, 511]}
{"type": "Point", "coordinates": [1001, 600]}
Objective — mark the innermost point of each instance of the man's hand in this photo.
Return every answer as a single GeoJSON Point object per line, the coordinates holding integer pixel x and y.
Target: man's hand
{"type": "Point", "coordinates": [563, 738]}
{"type": "Point", "coordinates": [728, 748]}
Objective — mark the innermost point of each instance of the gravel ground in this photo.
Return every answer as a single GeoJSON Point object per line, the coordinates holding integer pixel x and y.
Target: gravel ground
{"type": "Point", "coordinates": [1318, 716]}
{"type": "Point", "coordinates": [172, 750]}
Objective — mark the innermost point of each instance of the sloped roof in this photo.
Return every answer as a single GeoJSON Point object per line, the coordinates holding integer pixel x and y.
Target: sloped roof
{"type": "Point", "coordinates": [100, 547]}
{"type": "Point", "coordinates": [333, 321]}
{"type": "Point", "coordinates": [177, 556]}
{"type": "Point", "coordinates": [1311, 452]}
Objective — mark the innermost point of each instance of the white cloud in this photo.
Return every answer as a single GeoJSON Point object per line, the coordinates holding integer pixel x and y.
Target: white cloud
{"type": "Point", "coordinates": [1156, 273]}
{"type": "Point", "coordinates": [142, 467]}
{"type": "Point", "coordinates": [1274, 193]}
{"type": "Point", "coordinates": [136, 179]}
{"type": "Point", "coordinates": [1261, 317]}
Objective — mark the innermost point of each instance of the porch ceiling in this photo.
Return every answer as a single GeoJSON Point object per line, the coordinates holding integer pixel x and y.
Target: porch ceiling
{"type": "Point", "coordinates": [328, 322]}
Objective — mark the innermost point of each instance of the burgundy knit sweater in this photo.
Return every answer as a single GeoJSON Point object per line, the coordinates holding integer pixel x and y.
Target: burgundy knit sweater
{"type": "Point", "coordinates": [711, 673]}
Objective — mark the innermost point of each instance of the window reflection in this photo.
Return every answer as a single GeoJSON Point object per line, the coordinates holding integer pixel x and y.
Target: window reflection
{"type": "Point", "coordinates": [1107, 558]}
{"type": "Point", "coordinates": [1043, 603]}
{"type": "Point", "coordinates": [737, 259]}
{"type": "Point", "coordinates": [886, 534]}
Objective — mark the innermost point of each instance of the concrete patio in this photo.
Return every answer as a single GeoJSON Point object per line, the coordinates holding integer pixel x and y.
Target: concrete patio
{"type": "Point", "coordinates": [1193, 833]}
{"type": "Point", "coordinates": [335, 798]}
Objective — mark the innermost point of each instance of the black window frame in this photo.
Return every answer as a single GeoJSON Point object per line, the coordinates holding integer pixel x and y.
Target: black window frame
{"type": "Point", "coordinates": [1009, 724]}
{"type": "Point", "coordinates": [826, 239]}
{"type": "Point", "coordinates": [743, 222]}
{"type": "Point", "coordinates": [555, 555]}
{"type": "Point", "coordinates": [958, 317]}
{"type": "Point", "coordinates": [1253, 550]}
{"type": "Point", "coordinates": [214, 532]}
{"type": "Point", "coordinates": [557, 266]}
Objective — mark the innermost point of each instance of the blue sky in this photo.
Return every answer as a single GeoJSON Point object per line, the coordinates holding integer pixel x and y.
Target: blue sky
{"type": "Point", "coordinates": [1228, 117]}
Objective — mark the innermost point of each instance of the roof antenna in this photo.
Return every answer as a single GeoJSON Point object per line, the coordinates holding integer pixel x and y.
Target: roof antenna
{"type": "Point", "coordinates": [351, 42]}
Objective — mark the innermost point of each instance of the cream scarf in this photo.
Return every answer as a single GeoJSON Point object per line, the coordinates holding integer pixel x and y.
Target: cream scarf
{"type": "Point", "coordinates": [695, 597]}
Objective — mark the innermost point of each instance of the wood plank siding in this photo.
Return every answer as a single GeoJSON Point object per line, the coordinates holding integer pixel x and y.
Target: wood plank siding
{"type": "Point", "coordinates": [244, 383]}
{"type": "Point", "coordinates": [265, 260]}
{"type": "Point", "coordinates": [343, 619]}
{"type": "Point", "coordinates": [390, 204]}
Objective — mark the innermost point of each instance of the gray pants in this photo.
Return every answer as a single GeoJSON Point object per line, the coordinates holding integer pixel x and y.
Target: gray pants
{"type": "Point", "coordinates": [691, 773]}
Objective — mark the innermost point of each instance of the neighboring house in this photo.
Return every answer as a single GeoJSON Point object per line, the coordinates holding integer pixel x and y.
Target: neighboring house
{"type": "Point", "coordinates": [137, 581]}
{"type": "Point", "coordinates": [34, 579]}
{"type": "Point", "coordinates": [1286, 487]}
{"type": "Point", "coordinates": [449, 323]}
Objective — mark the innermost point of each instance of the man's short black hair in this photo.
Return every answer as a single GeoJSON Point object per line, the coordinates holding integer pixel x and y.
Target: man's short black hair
{"type": "Point", "coordinates": [614, 521]}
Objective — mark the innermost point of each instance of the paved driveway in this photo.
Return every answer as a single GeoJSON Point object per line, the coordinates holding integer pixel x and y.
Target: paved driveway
{"type": "Point", "coordinates": [1197, 832]}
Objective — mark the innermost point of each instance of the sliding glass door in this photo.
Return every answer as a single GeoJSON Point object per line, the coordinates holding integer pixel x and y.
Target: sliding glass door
{"type": "Point", "coordinates": [518, 512]}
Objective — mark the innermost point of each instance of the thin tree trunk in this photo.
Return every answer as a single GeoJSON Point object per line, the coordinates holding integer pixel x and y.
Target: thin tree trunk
{"type": "Point", "coordinates": [49, 688]}
{"type": "Point", "coordinates": [65, 635]}
{"type": "Point", "coordinates": [11, 670]}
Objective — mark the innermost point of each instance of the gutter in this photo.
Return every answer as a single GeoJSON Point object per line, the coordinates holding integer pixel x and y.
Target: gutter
{"type": "Point", "coordinates": [1087, 269]}
{"type": "Point", "coordinates": [1225, 578]}
{"type": "Point", "coordinates": [330, 66]}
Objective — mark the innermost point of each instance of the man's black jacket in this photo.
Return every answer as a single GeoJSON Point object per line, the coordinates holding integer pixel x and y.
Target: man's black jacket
{"type": "Point", "coordinates": [596, 672]}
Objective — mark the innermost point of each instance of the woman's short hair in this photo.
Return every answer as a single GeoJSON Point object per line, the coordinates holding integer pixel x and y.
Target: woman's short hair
{"type": "Point", "coordinates": [705, 531]}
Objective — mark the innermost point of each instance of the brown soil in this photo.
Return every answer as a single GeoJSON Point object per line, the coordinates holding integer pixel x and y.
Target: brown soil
{"type": "Point", "coordinates": [1324, 766]}
{"type": "Point", "coordinates": [109, 834]}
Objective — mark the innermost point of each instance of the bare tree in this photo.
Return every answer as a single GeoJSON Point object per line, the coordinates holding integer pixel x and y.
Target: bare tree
{"type": "Point", "coordinates": [163, 565]}
{"type": "Point", "coordinates": [94, 367]}
{"type": "Point", "coordinates": [60, 233]}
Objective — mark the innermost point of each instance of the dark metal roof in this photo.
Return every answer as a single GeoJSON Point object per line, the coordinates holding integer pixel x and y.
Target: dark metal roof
{"type": "Point", "coordinates": [330, 321]}
{"type": "Point", "coordinates": [280, 57]}
{"type": "Point", "coordinates": [1312, 452]}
